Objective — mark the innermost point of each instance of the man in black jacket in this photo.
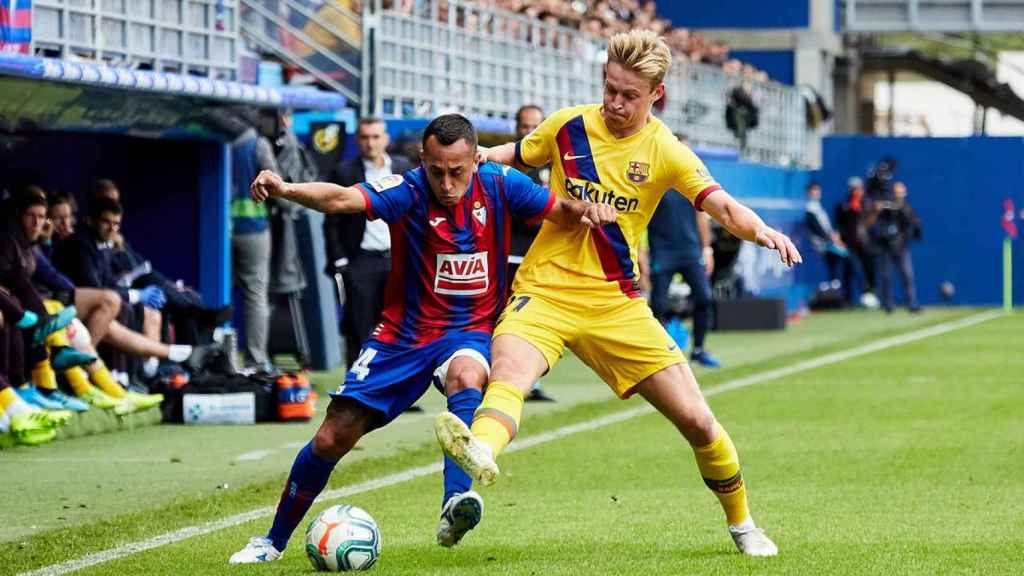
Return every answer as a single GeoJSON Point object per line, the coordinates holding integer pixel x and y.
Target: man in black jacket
{"type": "Point", "coordinates": [898, 225]}
{"type": "Point", "coordinates": [358, 249]}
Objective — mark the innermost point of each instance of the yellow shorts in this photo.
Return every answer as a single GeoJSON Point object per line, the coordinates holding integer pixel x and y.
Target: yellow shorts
{"type": "Point", "coordinates": [622, 341]}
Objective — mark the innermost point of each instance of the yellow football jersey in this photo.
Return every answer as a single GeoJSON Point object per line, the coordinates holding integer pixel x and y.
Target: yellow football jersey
{"type": "Point", "coordinates": [579, 265]}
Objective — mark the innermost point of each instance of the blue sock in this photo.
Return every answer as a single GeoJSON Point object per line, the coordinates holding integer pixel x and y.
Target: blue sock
{"type": "Point", "coordinates": [307, 479]}
{"type": "Point", "coordinates": [462, 404]}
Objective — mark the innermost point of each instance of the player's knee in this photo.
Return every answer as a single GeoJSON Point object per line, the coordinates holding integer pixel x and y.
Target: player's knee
{"type": "Point", "coordinates": [469, 375]}
{"type": "Point", "coordinates": [111, 301]}
{"type": "Point", "coordinates": [507, 369]}
{"type": "Point", "coordinates": [698, 426]}
{"type": "Point", "coordinates": [335, 438]}
{"type": "Point", "coordinates": [345, 424]}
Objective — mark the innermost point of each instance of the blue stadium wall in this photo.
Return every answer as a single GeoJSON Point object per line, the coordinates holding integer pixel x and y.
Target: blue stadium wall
{"type": "Point", "coordinates": [957, 186]}
{"type": "Point", "coordinates": [738, 13]}
{"type": "Point", "coordinates": [779, 64]}
{"type": "Point", "coordinates": [170, 191]}
{"type": "Point", "coordinates": [777, 194]}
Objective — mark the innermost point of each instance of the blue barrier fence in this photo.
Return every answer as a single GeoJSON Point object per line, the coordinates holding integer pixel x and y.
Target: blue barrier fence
{"type": "Point", "coordinates": [957, 186]}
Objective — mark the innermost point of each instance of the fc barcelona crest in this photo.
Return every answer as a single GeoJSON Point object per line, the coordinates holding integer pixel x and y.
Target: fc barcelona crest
{"type": "Point", "coordinates": [638, 172]}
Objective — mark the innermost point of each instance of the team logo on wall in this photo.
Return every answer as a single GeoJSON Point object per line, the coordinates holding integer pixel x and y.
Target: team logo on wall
{"type": "Point", "coordinates": [638, 172]}
{"type": "Point", "coordinates": [325, 140]}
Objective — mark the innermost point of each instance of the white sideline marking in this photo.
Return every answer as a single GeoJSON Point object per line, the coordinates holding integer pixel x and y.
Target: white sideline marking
{"type": "Point", "coordinates": [413, 473]}
{"type": "Point", "coordinates": [254, 455]}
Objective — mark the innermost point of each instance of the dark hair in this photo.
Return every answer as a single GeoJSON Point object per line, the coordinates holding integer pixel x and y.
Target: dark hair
{"type": "Point", "coordinates": [57, 198]}
{"type": "Point", "coordinates": [97, 206]}
{"type": "Point", "coordinates": [28, 197]}
{"type": "Point", "coordinates": [449, 129]}
{"type": "Point", "coordinates": [526, 107]}
{"type": "Point", "coordinates": [812, 184]}
{"type": "Point", "coordinates": [100, 186]}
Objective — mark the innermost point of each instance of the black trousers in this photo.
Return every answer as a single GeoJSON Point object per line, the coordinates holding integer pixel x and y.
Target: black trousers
{"type": "Point", "coordinates": [365, 279]}
{"type": "Point", "coordinates": [700, 290]}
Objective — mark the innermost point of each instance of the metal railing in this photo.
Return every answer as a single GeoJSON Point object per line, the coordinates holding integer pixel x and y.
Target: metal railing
{"type": "Point", "coordinates": [933, 15]}
{"type": "Point", "coordinates": [321, 37]}
{"type": "Point", "coordinates": [453, 55]}
{"type": "Point", "coordinates": [197, 37]}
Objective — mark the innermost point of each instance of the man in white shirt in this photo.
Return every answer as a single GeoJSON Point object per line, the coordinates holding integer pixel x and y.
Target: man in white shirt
{"type": "Point", "coordinates": [357, 248]}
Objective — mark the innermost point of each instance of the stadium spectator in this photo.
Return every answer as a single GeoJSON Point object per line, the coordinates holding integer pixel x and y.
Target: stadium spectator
{"type": "Point", "coordinates": [17, 269]}
{"type": "Point", "coordinates": [853, 218]}
{"type": "Point", "coordinates": [286, 272]}
{"type": "Point", "coordinates": [85, 257]}
{"type": "Point", "coordinates": [741, 113]}
{"type": "Point", "coordinates": [193, 322]}
{"type": "Point", "coordinates": [359, 249]}
{"type": "Point", "coordinates": [599, 18]}
{"type": "Point", "coordinates": [528, 117]}
{"type": "Point", "coordinates": [879, 185]}
{"type": "Point", "coordinates": [899, 226]}
{"type": "Point", "coordinates": [679, 240]}
{"type": "Point", "coordinates": [824, 238]}
{"type": "Point", "coordinates": [250, 240]}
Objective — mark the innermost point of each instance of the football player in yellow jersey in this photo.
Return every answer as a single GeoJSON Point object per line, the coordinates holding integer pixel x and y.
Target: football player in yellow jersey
{"type": "Point", "coordinates": [579, 287]}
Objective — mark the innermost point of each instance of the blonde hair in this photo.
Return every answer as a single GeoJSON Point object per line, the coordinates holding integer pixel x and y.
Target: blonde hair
{"type": "Point", "coordinates": [643, 52]}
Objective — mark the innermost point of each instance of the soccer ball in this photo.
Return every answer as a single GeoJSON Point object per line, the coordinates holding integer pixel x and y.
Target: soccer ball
{"type": "Point", "coordinates": [342, 539]}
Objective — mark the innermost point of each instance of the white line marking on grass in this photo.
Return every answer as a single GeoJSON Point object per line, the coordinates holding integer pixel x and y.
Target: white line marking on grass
{"type": "Point", "coordinates": [413, 473]}
{"type": "Point", "coordinates": [254, 455]}
{"type": "Point", "coordinates": [17, 460]}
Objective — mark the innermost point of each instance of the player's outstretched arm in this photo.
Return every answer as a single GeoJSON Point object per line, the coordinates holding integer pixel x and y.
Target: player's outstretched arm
{"type": "Point", "coordinates": [503, 154]}
{"type": "Point", "coordinates": [744, 223]}
{"type": "Point", "coordinates": [571, 212]}
{"type": "Point", "coordinates": [321, 196]}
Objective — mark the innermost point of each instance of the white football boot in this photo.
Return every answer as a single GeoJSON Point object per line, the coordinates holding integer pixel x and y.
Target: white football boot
{"type": "Point", "coordinates": [751, 540]}
{"type": "Point", "coordinates": [259, 549]}
{"type": "Point", "coordinates": [460, 445]}
{"type": "Point", "coordinates": [461, 513]}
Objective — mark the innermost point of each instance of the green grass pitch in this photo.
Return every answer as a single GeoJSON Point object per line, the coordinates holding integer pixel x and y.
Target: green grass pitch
{"type": "Point", "coordinates": [909, 460]}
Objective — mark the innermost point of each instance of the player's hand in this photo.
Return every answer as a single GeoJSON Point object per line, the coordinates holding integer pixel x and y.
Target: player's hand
{"type": "Point", "coordinates": [267, 185]}
{"type": "Point", "coordinates": [482, 154]}
{"type": "Point", "coordinates": [596, 215]}
{"type": "Point", "coordinates": [709, 260]}
{"type": "Point", "coordinates": [775, 240]}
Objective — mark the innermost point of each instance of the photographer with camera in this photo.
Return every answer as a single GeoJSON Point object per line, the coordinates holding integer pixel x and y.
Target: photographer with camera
{"type": "Point", "coordinates": [897, 226]}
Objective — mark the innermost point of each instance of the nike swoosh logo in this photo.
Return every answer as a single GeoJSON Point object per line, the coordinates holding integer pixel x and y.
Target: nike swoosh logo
{"type": "Point", "coordinates": [568, 157]}
{"type": "Point", "coordinates": [672, 347]}
{"type": "Point", "coordinates": [435, 221]}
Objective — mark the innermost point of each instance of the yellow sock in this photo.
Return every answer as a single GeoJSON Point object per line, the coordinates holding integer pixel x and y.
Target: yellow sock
{"type": "Point", "coordinates": [58, 338]}
{"type": "Point", "coordinates": [720, 466]}
{"type": "Point", "coordinates": [497, 419]}
{"type": "Point", "coordinates": [43, 376]}
{"type": "Point", "coordinates": [8, 397]}
{"type": "Point", "coordinates": [78, 380]}
{"type": "Point", "coordinates": [101, 376]}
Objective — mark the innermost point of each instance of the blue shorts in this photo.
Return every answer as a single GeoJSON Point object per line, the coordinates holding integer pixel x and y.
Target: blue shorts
{"type": "Point", "coordinates": [390, 378]}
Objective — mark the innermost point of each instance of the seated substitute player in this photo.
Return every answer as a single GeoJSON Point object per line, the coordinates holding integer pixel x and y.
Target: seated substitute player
{"type": "Point", "coordinates": [579, 287]}
{"type": "Point", "coordinates": [449, 225]}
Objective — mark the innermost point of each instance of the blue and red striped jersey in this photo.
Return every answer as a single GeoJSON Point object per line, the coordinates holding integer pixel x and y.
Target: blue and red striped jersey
{"type": "Point", "coordinates": [448, 264]}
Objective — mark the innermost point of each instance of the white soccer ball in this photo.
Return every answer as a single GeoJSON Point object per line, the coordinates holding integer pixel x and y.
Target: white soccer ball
{"type": "Point", "coordinates": [343, 538]}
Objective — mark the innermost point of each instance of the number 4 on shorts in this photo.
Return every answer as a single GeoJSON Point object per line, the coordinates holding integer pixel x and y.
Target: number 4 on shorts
{"type": "Point", "coordinates": [361, 367]}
